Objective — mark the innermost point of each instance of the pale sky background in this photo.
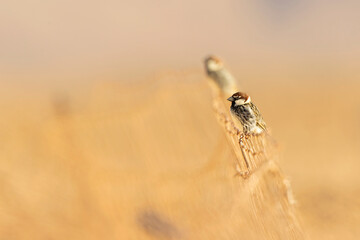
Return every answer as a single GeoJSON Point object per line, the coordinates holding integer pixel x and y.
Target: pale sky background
{"type": "Point", "coordinates": [137, 38]}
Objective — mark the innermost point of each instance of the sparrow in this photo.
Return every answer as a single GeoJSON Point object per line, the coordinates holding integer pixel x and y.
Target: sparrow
{"type": "Point", "coordinates": [217, 72]}
{"type": "Point", "coordinates": [243, 110]}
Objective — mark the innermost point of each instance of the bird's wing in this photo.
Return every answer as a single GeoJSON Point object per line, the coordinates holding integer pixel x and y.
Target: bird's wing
{"type": "Point", "coordinates": [260, 122]}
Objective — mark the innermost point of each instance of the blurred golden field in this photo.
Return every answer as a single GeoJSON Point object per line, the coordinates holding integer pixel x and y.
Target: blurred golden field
{"type": "Point", "coordinates": [88, 164]}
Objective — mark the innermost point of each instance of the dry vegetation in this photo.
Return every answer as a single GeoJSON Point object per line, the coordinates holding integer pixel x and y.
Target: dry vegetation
{"type": "Point", "coordinates": [121, 162]}
{"type": "Point", "coordinates": [266, 199]}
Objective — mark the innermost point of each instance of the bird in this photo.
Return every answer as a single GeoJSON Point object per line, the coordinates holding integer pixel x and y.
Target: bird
{"type": "Point", "coordinates": [246, 112]}
{"type": "Point", "coordinates": [220, 75]}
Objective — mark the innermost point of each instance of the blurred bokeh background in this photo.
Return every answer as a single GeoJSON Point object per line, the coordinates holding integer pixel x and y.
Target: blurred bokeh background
{"type": "Point", "coordinates": [98, 97]}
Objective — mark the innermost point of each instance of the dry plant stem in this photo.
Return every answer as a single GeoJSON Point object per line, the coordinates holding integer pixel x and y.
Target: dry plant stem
{"type": "Point", "coordinates": [253, 153]}
{"type": "Point", "coordinates": [265, 194]}
{"type": "Point", "coordinates": [256, 152]}
{"type": "Point", "coordinates": [232, 134]}
{"type": "Point", "coordinates": [245, 151]}
{"type": "Point", "coordinates": [251, 150]}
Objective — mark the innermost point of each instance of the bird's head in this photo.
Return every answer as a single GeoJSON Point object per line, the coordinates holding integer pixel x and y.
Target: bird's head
{"type": "Point", "coordinates": [239, 98]}
{"type": "Point", "coordinates": [213, 63]}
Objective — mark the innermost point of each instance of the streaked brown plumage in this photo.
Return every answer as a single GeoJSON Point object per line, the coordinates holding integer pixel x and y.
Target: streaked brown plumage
{"type": "Point", "coordinates": [247, 113]}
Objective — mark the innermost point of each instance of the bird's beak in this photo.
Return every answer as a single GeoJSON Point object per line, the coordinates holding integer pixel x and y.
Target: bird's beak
{"type": "Point", "coordinates": [231, 99]}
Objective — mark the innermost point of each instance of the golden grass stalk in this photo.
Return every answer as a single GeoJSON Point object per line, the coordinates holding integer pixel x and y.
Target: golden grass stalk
{"type": "Point", "coordinates": [267, 198]}
{"type": "Point", "coordinates": [251, 150]}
